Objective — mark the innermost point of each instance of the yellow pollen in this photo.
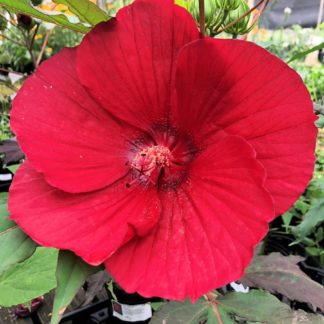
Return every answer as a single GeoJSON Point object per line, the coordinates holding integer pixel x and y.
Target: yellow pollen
{"type": "Point", "coordinates": [150, 158]}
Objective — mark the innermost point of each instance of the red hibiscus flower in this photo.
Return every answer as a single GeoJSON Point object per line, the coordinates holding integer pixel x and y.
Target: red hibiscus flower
{"type": "Point", "coordinates": [161, 154]}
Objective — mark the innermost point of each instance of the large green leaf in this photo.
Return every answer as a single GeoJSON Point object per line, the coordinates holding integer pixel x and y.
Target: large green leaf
{"type": "Point", "coordinates": [256, 306]}
{"type": "Point", "coordinates": [24, 6]}
{"type": "Point", "coordinates": [3, 197]}
{"type": "Point", "coordinates": [280, 274]}
{"type": "Point", "coordinates": [71, 273]}
{"type": "Point", "coordinates": [85, 10]}
{"type": "Point", "coordinates": [261, 306]}
{"type": "Point", "coordinates": [186, 312]}
{"type": "Point", "coordinates": [5, 223]}
{"type": "Point", "coordinates": [27, 280]}
{"type": "Point", "coordinates": [15, 245]}
{"type": "Point", "coordinates": [312, 218]}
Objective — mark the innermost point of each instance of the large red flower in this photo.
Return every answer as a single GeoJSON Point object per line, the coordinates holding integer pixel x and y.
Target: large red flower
{"type": "Point", "coordinates": [161, 154]}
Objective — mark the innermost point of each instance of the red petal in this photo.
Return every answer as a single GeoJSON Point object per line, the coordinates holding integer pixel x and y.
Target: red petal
{"type": "Point", "coordinates": [127, 62]}
{"type": "Point", "coordinates": [64, 133]}
{"type": "Point", "coordinates": [246, 91]}
{"type": "Point", "coordinates": [93, 225]}
{"type": "Point", "coordinates": [207, 231]}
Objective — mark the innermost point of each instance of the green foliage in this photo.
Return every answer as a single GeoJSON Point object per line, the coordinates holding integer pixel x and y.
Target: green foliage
{"type": "Point", "coordinates": [29, 279]}
{"type": "Point", "coordinates": [280, 274]}
{"type": "Point", "coordinates": [15, 245]}
{"type": "Point", "coordinates": [3, 23]}
{"type": "Point", "coordinates": [256, 306]}
{"type": "Point", "coordinates": [242, 26]}
{"type": "Point", "coordinates": [304, 220]}
{"type": "Point", "coordinates": [23, 6]}
{"type": "Point", "coordinates": [312, 219]}
{"type": "Point", "coordinates": [186, 312]}
{"type": "Point", "coordinates": [302, 54]}
{"type": "Point", "coordinates": [85, 10]}
{"type": "Point", "coordinates": [71, 273]}
{"type": "Point", "coordinates": [291, 45]}
{"type": "Point", "coordinates": [228, 4]}
{"type": "Point", "coordinates": [5, 131]}
{"type": "Point", "coordinates": [220, 13]}
{"type": "Point", "coordinates": [22, 60]}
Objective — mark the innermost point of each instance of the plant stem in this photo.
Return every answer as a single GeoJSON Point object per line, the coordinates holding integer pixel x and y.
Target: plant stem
{"type": "Point", "coordinates": [39, 58]}
{"type": "Point", "coordinates": [255, 18]}
{"type": "Point", "coordinates": [34, 35]}
{"type": "Point", "coordinates": [202, 18]}
{"type": "Point", "coordinates": [213, 303]}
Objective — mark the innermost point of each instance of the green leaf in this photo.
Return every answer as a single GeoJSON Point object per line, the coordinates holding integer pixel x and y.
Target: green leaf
{"type": "Point", "coordinates": [279, 274]}
{"type": "Point", "coordinates": [30, 279]}
{"type": "Point", "coordinates": [3, 197]}
{"type": "Point", "coordinates": [320, 121]}
{"type": "Point", "coordinates": [304, 53]}
{"type": "Point", "coordinates": [286, 218]}
{"type": "Point", "coordinates": [71, 273]}
{"type": "Point", "coordinates": [312, 218]}
{"type": "Point", "coordinates": [183, 3]}
{"type": "Point", "coordinates": [302, 205]}
{"type": "Point", "coordinates": [13, 168]}
{"type": "Point", "coordinates": [223, 314]}
{"type": "Point", "coordinates": [319, 109]}
{"type": "Point", "coordinates": [24, 6]}
{"type": "Point", "coordinates": [257, 306]}
{"type": "Point", "coordinates": [186, 312]}
{"type": "Point", "coordinates": [225, 317]}
{"type": "Point", "coordinates": [156, 305]}
{"type": "Point", "coordinates": [85, 10]}
{"type": "Point", "coordinates": [16, 246]}
{"type": "Point", "coordinates": [5, 223]}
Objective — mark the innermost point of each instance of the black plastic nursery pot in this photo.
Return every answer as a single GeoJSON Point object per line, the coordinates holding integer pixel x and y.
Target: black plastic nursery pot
{"type": "Point", "coordinates": [117, 309]}
{"type": "Point", "coordinates": [6, 177]}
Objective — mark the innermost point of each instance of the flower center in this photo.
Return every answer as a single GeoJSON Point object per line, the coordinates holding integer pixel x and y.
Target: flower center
{"type": "Point", "coordinates": [160, 157]}
{"type": "Point", "coordinates": [148, 163]}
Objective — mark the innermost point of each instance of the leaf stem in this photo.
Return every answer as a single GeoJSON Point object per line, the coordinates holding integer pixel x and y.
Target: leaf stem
{"type": "Point", "coordinates": [213, 303]}
{"type": "Point", "coordinates": [39, 58]}
{"type": "Point", "coordinates": [202, 18]}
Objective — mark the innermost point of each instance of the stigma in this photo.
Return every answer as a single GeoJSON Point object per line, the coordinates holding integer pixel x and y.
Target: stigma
{"type": "Point", "coordinates": [148, 164]}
